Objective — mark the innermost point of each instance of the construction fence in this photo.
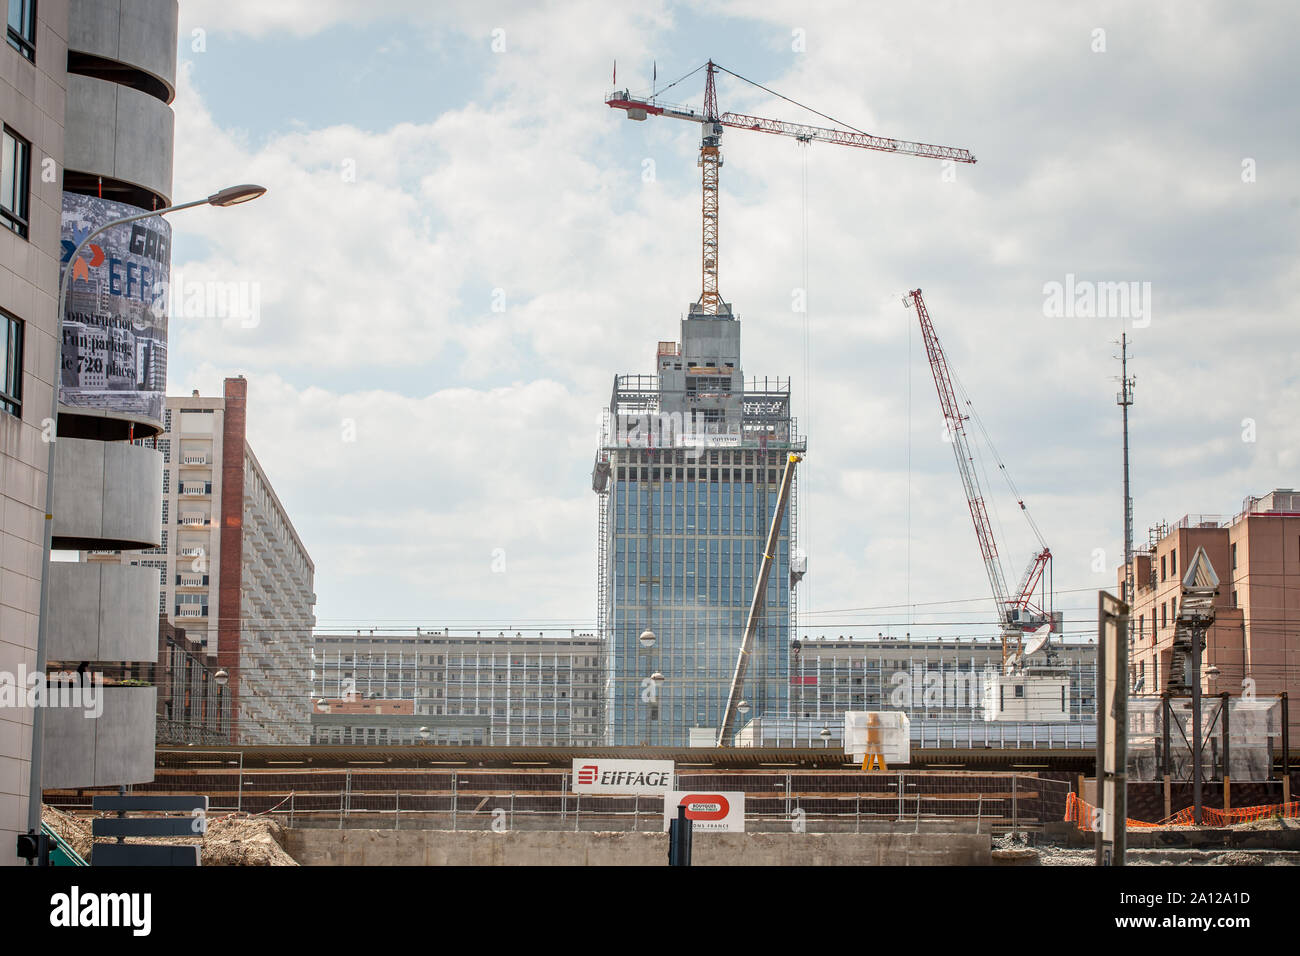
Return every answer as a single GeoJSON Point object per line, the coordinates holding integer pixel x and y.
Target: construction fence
{"type": "Point", "coordinates": [1082, 813]}
{"type": "Point", "coordinates": [452, 799]}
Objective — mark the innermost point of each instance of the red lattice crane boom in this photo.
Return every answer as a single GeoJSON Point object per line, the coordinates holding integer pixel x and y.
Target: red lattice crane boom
{"type": "Point", "coordinates": [1020, 611]}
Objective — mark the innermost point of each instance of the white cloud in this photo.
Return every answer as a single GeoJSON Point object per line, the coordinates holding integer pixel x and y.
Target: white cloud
{"type": "Point", "coordinates": [1113, 167]}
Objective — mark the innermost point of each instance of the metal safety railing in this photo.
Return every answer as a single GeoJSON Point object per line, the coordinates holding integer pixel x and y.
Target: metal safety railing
{"type": "Point", "coordinates": [377, 798]}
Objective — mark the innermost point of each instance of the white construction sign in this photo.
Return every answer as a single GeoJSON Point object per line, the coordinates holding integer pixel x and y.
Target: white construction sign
{"type": "Point", "coordinates": [602, 775]}
{"type": "Point", "coordinates": [719, 812]}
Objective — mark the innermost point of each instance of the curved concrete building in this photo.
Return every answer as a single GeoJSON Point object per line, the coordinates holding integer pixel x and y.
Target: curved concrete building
{"type": "Point", "coordinates": [108, 489]}
{"type": "Point", "coordinates": [122, 79]}
{"type": "Point", "coordinates": [87, 84]}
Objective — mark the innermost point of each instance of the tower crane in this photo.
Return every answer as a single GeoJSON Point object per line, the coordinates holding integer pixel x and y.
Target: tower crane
{"type": "Point", "coordinates": [712, 124]}
{"type": "Point", "coordinates": [1018, 612]}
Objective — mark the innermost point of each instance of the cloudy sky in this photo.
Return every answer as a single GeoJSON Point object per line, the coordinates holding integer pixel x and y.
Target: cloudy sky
{"type": "Point", "coordinates": [461, 245]}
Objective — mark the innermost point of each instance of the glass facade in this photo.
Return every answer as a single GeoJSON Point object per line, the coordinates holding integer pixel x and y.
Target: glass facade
{"type": "Point", "coordinates": [688, 472]}
{"type": "Point", "coordinates": [687, 543]}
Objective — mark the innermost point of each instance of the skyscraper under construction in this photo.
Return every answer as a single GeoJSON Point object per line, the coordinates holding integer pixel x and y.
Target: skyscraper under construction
{"type": "Point", "coordinates": [687, 474]}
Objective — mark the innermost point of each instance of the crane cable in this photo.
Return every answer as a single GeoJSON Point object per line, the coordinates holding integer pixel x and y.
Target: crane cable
{"type": "Point", "coordinates": [988, 441]}
{"type": "Point", "coordinates": [655, 94]}
{"type": "Point", "coordinates": [801, 106]}
{"type": "Point", "coordinates": [802, 503]}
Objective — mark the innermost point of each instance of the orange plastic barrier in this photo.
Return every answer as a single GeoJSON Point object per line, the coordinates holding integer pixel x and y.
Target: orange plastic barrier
{"type": "Point", "coordinates": [1080, 811]}
{"type": "Point", "coordinates": [1211, 817]}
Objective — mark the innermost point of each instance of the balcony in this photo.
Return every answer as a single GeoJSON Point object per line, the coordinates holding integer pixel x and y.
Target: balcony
{"type": "Point", "coordinates": [194, 488]}
{"type": "Point", "coordinates": [191, 610]}
{"type": "Point", "coordinates": [192, 580]}
{"type": "Point", "coordinates": [193, 459]}
{"type": "Point", "coordinates": [194, 520]}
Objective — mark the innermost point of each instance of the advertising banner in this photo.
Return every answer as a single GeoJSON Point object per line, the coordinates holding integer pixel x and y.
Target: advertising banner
{"type": "Point", "coordinates": [719, 812]}
{"type": "Point", "coordinates": [115, 322]}
{"type": "Point", "coordinates": [599, 775]}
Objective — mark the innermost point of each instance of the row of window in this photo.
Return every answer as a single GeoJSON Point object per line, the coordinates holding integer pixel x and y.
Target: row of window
{"type": "Point", "coordinates": [15, 186]}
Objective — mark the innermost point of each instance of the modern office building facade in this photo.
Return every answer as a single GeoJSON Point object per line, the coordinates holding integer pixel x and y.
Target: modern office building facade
{"type": "Point", "coordinates": [1251, 649]}
{"type": "Point", "coordinates": [85, 88]}
{"type": "Point", "coordinates": [687, 475]}
{"type": "Point", "coordinates": [468, 689]}
{"type": "Point", "coordinates": [231, 568]}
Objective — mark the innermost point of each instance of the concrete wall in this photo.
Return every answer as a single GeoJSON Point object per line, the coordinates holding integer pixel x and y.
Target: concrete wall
{"type": "Point", "coordinates": [119, 133]}
{"type": "Point", "coordinates": [319, 847]}
{"type": "Point", "coordinates": [102, 612]}
{"type": "Point", "coordinates": [113, 749]}
{"type": "Point", "coordinates": [32, 103]}
{"type": "Point", "coordinates": [107, 495]}
{"type": "Point", "coordinates": [139, 33]}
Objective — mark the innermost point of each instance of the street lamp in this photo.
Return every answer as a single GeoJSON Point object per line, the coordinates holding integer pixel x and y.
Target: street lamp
{"type": "Point", "coordinates": [647, 638]}
{"type": "Point", "coordinates": [230, 196]}
{"type": "Point", "coordinates": [221, 677]}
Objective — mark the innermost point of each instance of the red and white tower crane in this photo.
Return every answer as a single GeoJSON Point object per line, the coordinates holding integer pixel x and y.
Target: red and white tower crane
{"type": "Point", "coordinates": [712, 123]}
{"type": "Point", "coordinates": [1021, 611]}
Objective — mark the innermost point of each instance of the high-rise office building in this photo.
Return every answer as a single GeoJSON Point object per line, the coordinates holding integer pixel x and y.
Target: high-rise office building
{"type": "Point", "coordinates": [687, 475]}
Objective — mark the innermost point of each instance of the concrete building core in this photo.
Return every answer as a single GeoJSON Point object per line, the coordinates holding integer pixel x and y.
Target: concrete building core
{"type": "Point", "coordinates": [687, 475]}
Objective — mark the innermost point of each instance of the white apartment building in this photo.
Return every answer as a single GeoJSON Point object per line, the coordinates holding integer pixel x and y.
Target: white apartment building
{"type": "Point", "coordinates": [495, 689]}
{"type": "Point", "coordinates": [232, 570]}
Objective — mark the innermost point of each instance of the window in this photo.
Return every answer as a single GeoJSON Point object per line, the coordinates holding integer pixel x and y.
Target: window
{"type": "Point", "coordinates": [16, 155]}
{"type": "Point", "coordinates": [1234, 557]}
{"type": "Point", "coordinates": [1163, 559]}
{"type": "Point", "coordinates": [11, 374]}
{"type": "Point", "coordinates": [22, 27]}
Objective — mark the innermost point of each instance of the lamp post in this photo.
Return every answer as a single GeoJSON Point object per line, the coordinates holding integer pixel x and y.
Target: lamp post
{"type": "Point", "coordinates": [646, 642]}
{"type": "Point", "coordinates": [657, 682]}
{"type": "Point", "coordinates": [230, 196]}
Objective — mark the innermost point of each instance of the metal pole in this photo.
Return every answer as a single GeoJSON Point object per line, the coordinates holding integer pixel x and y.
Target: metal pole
{"type": "Point", "coordinates": [1225, 736]}
{"type": "Point", "coordinates": [1196, 725]}
{"type": "Point", "coordinates": [1015, 803]}
{"type": "Point", "coordinates": [1166, 714]}
{"type": "Point", "coordinates": [239, 806]}
{"type": "Point", "coordinates": [1124, 400]}
{"type": "Point", "coordinates": [1286, 750]}
{"type": "Point", "coordinates": [35, 793]}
